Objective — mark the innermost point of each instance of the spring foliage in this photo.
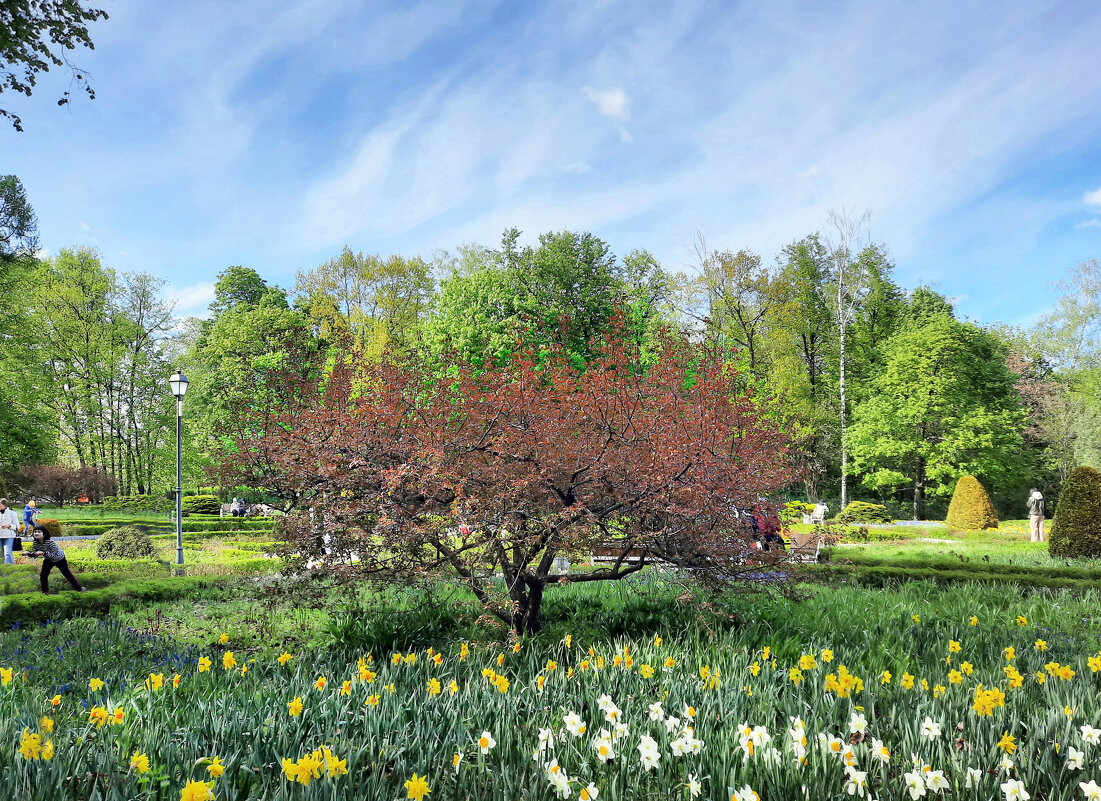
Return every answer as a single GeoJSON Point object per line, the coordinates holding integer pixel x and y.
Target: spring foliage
{"type": "Point", "coordinates": [971, 509]}
{"type": "Point", "coordinates": [1076, 529]}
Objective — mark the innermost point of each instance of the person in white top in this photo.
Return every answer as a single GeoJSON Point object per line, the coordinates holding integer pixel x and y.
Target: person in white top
{"type": "Point", "coordinates": [9, 529]}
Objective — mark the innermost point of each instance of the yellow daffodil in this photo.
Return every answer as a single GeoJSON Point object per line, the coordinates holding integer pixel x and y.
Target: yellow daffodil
{"type": "Point", "coordinates": [974, 621]}
{"type": "Point", "coordinates": [6, 676]}
{"type": "Point", "coordinates": [434, 687]}
{"type": "Point", "coordinates": [30, 745]}
{"type": "Point", "coordinates": [229, 661]}
{"type": "Point", "coordinates": [154, 682]}
{"type": "Point", "coordinates": [826, 655]}
{"type": "Point", "coordinates": [204, 664]}
{"type": "Point", "coordinates": [224, 638]}
{"type": "Point", "coordinates": [216, 768]}
{"type": "Point", "coordinates": [95, 685]}
{"type": "Point", "coordinates": [197, 791]}
{"type": "Point", "coordinates": [954, 647]}
{"type": "Point", "coordinates": [284, 658]}
{"type": "Point", "coordinates": [1007, 744]}
{"type": "Point", "coordinates": [98, 715]}
{"type": "Point", "coordinates": [321, 682]}
{"type": "Point", "coordinates": [417, 787]}
{"type": "Point", "coordinates": [295, 707]}
{"type": "Point", "coordinates": [346, 688]}
{"type": "Point", "coordinates": [46, 724]}
{"type": "Point", "coordinates": [139, 762]}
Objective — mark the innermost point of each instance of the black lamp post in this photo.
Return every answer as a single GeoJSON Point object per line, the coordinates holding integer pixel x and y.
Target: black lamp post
{"type": "Point", "coordinates": [178, 384]}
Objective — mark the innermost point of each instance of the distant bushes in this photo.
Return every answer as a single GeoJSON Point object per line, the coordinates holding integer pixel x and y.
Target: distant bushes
{"type": "Point", "coordinates": [201, 505]}
{"type": "Point", "coordinates": [137, 503]}
{"type": "Point", "coordinates": [863, 512]}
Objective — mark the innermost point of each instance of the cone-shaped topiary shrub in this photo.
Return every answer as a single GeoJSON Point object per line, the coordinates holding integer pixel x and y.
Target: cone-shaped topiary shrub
{"type": "Point", "coordinates": [864, 512]}
{"type": "Point", "coordinates": [1076, 529]}
{"type": "Point", "coordinates": [125, 542]}
{"type": "Point", "coordinates": [971, 509]}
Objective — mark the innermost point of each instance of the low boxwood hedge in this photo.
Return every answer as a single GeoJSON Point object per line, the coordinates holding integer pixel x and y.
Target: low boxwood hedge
{"type": "Point", "coordinates": [32, 607]}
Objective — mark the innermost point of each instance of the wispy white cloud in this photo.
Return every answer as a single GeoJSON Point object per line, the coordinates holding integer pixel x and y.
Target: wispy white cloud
{"type": "Point", "coordinates": [1093, 222]}
{"type": "Point", "coordinates": [1092, 198]}
{"type": "Point", "coordinates": [191, 300]}
{"type": "Point", "coordinates": [612, 102]}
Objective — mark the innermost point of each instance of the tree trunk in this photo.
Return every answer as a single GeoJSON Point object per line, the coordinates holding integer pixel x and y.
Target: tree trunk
{"type": "Point", "coordinates": [919, 490]}
{"type": "Point", "coordinates": [844, 448]}
{"type": "Point", "coordinates": [529, 602]}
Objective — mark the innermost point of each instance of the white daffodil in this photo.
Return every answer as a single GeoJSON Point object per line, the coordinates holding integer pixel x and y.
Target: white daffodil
{"type": "Point", "coordinates": [656, 712]}
{"type": "Point", "coordinates": [546, 739]}
{"type": "Point", "coordinates": [936, 782]}
{"type": "Point", "coordinates": [588, 793]}
{"type": "Point", "coordinates": [1014, 790]}
{"type": "Point", "coordinates": [858, 723]}
{"type": "Point", "coordinates": [605, 749]}
{"type": "Point", "coordinates": [486, 742]}
{"type": "Point", "coordinates": [604, 703]}
{"type": "Point", "coordinates": [574, 724]}
{"type": "Point", "coordinates": [915, 784]}
{"type": "Point", "coordinates": [1091, 791]}
{"type": "Point", "coordinates": [672, 724]}
{"type": "Point", "coordinates": [880, 752]}
{"type": "Point", "coordinates": [855, 782]}
{"type": "Point", "coordinates": [694, 786]}
{"type": "Point", "coordinates": [561, 784]}
{"type": "Point", "coordinates": [745, 794]}
{"type": "Point", "coordinates": [1005, 764]}
{"type": "Point", "coordinates": [929, 728]}
{"type": "Point", "coordinates": [1090, 735]}
{"type": "Point", "coordinates": [1075, 758]}
{"type": "Point", "coordinates": [972, 778]}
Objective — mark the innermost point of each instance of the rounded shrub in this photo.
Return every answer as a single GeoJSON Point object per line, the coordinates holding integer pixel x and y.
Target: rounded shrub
{"type": "Point", "coordinates": [125, 542]}
{"type": "Point", "coordinates": [863, 512]}
{"type": "Point", "coordinates": [1076, 529]}
{"type": "Point", "coordinates": [51, 525]}
{"type": "Point", "coordinates": [971, 509]}
{"type": "Point", "coordinates": [201, 505]}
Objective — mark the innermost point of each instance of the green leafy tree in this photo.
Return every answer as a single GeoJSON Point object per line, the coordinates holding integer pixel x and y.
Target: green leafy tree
{"type": "Point", "coordinates": [37, 34]}
{"type": "Point", "coordinates": [383, 301]}
{"type": "Point", "coordinates": [943, 406]}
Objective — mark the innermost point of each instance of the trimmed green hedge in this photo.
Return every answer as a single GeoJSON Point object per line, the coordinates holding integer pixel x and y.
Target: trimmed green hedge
{"type": "Point", "coordinates": [883, 574]}
{"type": "Point", "coordinates": [80, 528]}
{"type": "Point", "coordinates": [32, 607]}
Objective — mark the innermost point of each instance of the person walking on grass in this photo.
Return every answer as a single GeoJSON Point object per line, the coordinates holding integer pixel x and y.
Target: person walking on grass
{"type": "Point", "coordinates": [52, 556]}
{"type": "Point", "coordinates": [1035, 515]}
{"type": "Point", "coordinates": [9, 530]}
{"type": "Point", "coordinates": [30, 517]}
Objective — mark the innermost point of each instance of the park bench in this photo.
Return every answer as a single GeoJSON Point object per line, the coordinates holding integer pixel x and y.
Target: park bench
{"type": "Point", "coordinates": [804, 547]}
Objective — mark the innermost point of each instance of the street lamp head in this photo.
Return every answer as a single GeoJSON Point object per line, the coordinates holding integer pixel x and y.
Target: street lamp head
{"type": "Point", "coordinates": [178, 384]}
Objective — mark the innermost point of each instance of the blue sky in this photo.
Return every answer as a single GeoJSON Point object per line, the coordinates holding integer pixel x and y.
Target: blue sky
{"type": "Point", "coordinates": [228, 133]}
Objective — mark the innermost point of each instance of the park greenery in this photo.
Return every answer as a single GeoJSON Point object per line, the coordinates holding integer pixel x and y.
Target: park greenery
{"type": "Point", "coordinates": [929, 397]}
{"type": "Point", "coordinates": [438, 437]}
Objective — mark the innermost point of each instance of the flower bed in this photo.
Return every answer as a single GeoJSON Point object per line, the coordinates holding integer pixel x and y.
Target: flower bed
{"type": "Point", "coordinates": [976, 708]}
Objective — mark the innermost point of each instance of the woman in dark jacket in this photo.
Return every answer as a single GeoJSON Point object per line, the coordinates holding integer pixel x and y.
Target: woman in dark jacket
{"type": "Point", "coordinates": [52, 556]}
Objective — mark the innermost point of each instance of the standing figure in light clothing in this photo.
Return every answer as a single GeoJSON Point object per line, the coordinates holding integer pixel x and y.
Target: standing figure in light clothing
{"type": "Point", "coordinates": [9, 530]}
{"type": "Point", "coordinates": [1035, 515]}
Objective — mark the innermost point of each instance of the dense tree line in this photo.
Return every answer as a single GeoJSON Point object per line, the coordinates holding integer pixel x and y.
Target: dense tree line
{"type": "Point", "coordinates": [884, 392]}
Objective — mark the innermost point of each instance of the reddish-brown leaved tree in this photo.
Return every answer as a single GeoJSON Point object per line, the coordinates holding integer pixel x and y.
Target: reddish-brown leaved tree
{"type": "Point", "coordinates": [487, 476]}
